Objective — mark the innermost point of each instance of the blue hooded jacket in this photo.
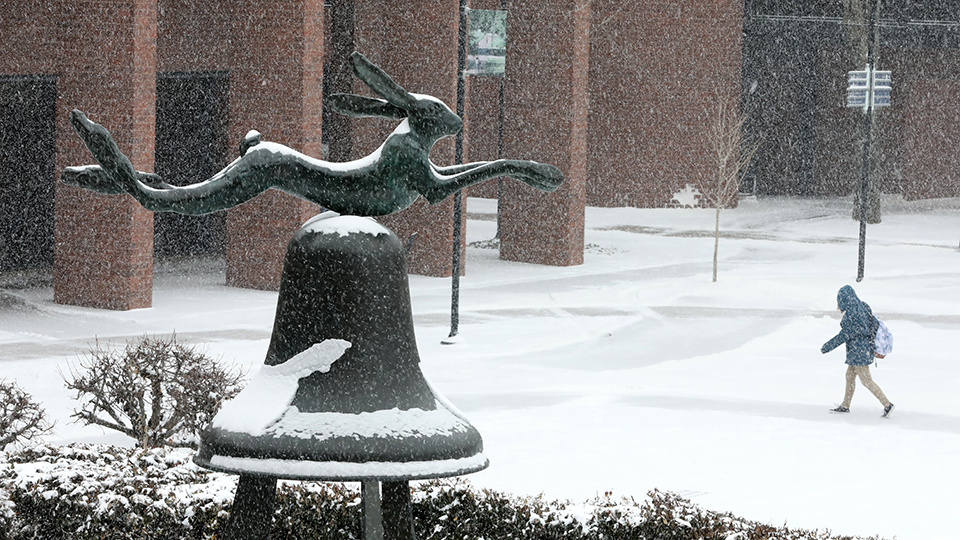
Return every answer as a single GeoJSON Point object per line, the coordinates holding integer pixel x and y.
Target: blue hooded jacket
{"type": "Point", "coordinates": [857, 329]}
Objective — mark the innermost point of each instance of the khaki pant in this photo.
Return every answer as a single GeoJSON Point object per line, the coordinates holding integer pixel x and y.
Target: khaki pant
{"type": "Point", "coordinates": [864, 373]}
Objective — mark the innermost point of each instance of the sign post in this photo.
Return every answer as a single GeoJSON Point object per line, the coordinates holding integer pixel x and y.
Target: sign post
{"type": "Point", "coordinates": [867, 89]}
{"type": "Point", "coordinates": [481, 51]}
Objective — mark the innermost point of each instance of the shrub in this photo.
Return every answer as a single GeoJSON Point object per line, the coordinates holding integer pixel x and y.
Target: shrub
{"type": "Point", "coordinates": [316, 510]}
{"type": "Point", "coordinates": [447, 509]}
{"type": "Point", "coordinates": [667, 516]}
{"type": "Point", "coordinates": [156, 390]}
{"type": "Point", "coordinates": [21, 419]}
{"type": "Point", "coordinates": [87, 492]}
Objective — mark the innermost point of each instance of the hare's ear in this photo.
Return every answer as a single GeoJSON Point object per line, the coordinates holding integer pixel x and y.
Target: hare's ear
{"type": "Point", "coordinates": [380, 82]}
{"type": "Point", "coordinates": [352, 105]}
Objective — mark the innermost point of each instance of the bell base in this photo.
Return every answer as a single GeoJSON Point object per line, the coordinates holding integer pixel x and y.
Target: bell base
{"type": "Point", "coordinates": [339, 471]}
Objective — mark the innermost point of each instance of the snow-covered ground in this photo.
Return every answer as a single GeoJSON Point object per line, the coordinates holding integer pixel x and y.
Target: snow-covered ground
{"type": "Point", "coordinates": [634, 371]}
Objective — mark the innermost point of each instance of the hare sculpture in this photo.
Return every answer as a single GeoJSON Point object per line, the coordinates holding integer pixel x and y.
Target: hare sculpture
{"type": "Point", "coordinates": [387, 181]}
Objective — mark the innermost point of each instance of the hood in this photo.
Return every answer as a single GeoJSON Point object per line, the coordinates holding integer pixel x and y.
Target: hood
{"type": "Point", "coordinates": [847, 298]}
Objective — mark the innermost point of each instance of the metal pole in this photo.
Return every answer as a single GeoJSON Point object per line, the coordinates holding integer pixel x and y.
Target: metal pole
{"type": "Point", "coordinates": [865, 175]}
{"type": "Point", "coordinates": [503, 76]}
{"type": "Point", "coordinates": [865, 164]}
{"type": "Point", "coordinates": [458, 159]}
{"type": "Point", "coordinates": [371, 510]}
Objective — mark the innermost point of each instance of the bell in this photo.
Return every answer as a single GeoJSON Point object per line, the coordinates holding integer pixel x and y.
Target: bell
{"type": "Point", "coordinates": [341, 396]}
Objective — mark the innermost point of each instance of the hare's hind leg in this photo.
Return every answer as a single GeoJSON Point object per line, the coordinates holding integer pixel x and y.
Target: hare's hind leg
{"type": "Point", "coordinates": [120, 175]}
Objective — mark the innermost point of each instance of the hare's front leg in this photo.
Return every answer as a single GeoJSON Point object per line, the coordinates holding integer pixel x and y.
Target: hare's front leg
{"type": "Point", "coordinates": [538, 175]}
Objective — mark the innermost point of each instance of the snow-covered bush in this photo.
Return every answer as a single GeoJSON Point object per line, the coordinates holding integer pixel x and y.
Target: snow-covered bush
{"type": "Point", "coordinates": [452, 509]}
{"type": "Point", "coordinates": [82, 492]}
{"type": "Point", "coordinates": [87, 492]}
{"type": "Point", "coordinates": [156, 390]}
{"type": "Point", "coordinates": [21, 418]}
{"type": "Point", "coordinates": [316, 510]}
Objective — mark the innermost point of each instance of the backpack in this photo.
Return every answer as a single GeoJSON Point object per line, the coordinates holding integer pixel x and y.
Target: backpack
{"type": "Point", "coordinates": [883, 343]}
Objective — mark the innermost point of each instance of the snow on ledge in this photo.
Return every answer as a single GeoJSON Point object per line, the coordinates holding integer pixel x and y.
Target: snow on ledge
{"type": "Point", "coordinates": [346, 472]}
{"type": "Point", "coordinates": [270, 392]}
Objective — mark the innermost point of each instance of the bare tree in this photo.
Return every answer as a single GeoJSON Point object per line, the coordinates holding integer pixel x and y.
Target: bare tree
{"type": "Point", "coordinates": [157, 391]}
{"type": "Point", "coordinates": [21, 418]}
{"type": "Point", "coordinates": [732, 153]}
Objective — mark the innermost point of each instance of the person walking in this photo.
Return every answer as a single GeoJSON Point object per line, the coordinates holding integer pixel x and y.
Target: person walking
{"type": "Point", "coordinates": [858, 330]}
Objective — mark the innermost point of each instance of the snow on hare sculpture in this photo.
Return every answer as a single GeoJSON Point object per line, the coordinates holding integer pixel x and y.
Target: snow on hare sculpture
{"type": "Point", "coordinates": [387, 181]}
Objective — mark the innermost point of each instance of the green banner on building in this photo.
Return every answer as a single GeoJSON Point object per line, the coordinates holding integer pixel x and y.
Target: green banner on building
{"type": "Point", "coordinates": [486, 42]}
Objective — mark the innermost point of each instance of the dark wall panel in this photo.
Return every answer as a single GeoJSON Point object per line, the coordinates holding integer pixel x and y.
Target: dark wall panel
{"type": "Point", "coordinates": [27, 171]}
{"type": "Point", "coordinates": [191, 146]}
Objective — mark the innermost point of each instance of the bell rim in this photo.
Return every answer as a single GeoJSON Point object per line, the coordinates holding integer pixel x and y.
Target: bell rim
{"type": "Point", "coordinates": [343, 471]}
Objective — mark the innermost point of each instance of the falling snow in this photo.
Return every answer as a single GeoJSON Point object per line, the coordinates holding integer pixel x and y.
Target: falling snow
{"type": "Point", "coordinates": [634, 371]}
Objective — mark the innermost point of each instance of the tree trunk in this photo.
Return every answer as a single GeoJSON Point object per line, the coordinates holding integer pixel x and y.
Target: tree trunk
{"type": "Point", "coordinates": [716, 244]}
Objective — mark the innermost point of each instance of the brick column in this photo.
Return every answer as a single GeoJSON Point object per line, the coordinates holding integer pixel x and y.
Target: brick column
{"type": "Point", "coordinates": [104, 244]}
{"type": "Point", "coordinates": [545, 120]}
{"type": "Point", "coordinates": [416, 44]}
{"type": "Point", "coordinates": [275, 88]}
{"type": "Point", "coordinates": [930, 159]}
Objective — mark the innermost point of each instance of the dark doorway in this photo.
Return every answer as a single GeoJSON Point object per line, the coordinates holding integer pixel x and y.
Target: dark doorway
{"type": "Point", "coordinates": [27, 170]}
{"type": "Point", "coordinates": [191, 146]}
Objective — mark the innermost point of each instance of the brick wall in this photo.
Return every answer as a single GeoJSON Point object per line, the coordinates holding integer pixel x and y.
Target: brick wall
{"type": "Point", "coordinates": [655, 68]}
{"type": "Point", "coordinates": [195, 36]}
{"type": "Point", "coordinates": [927, 86]}
{"type": "Point", "coordinates": [273, 52]}
{"type": "Point", "coordinates": [482, 112]}
{"type": "Point", "coordinates": [29, 35]}
{"type": "Point", "coordinates": [103, 54]}
{"type": "Point", "coordinates": [626, 136]}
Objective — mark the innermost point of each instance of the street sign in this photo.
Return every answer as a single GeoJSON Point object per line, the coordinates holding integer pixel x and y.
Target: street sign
{"type": "Point", "coordinates": [881, 97]}
{"type": "Point", "coordinates": [882, 86]}
{"type": "Point", "coordinates": [858, 78]}
{"type": "Point", "coordinates": [856, 97]}
{"type": "Point", "coordinates": [863, 89]}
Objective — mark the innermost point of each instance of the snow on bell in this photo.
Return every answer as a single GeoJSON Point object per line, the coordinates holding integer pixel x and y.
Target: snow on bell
{"type": "Point", "coordinates": [341, 396]}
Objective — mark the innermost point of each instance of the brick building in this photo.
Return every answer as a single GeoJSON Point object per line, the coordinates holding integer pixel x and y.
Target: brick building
{"type": "Point", "coordinates": [614, 93]}
{"type": "Point", "coordinates": [795, 58]}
